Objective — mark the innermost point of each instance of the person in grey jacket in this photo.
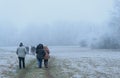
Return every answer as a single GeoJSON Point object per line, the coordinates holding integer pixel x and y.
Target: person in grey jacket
{"type": "Point", "coordinates": [21, 52]}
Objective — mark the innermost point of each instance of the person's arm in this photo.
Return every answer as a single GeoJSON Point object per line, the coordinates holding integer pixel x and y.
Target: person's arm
{"type": "Point", "coordinates": [44, 53]}
{"type": "Point", "coordinates": [48, 50]}
{"type": "Point", "coordinates": [36, 51]}
{"type": "Point", "coordinates": [17, 51]}
{"type": "Point", "coordinates": [25, 51]}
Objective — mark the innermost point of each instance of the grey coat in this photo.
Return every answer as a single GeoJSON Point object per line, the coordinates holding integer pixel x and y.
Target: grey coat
{"type": "Point", "coordinates": [21, 51]}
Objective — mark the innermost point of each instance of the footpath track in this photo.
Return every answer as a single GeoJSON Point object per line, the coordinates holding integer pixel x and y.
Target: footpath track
{"type": "Point", "coordinates": [32, 71]}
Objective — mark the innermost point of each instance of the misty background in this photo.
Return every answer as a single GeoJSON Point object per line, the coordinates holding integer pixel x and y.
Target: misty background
{"type": "Point", "coordinates": [87, 23]}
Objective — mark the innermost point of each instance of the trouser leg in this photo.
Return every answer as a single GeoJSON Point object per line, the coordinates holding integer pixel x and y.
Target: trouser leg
{"type": "Point", "coordinates": [23, 61]}
{"type": "Point", "coordinates": [46, 63]}
{"type": "Point", "coordinates": [19, 62]}
{"type": "Point", "coordinates": [39, 63]}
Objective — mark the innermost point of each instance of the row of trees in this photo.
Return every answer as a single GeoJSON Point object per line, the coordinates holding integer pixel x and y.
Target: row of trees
{"type": "Point", "coordinates": [112, 39]}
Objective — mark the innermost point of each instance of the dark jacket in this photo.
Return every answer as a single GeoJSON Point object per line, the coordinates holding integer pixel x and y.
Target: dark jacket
{"type": "Point", "coordinates": [40, 52]}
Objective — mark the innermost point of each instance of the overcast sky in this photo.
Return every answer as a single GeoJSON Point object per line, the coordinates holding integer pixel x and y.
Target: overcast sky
{"type": "Point", "coordinates": [22, 12]}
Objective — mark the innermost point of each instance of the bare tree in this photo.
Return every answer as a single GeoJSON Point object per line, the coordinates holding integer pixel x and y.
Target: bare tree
{"type": "Point", "coordinates": [113, 40]}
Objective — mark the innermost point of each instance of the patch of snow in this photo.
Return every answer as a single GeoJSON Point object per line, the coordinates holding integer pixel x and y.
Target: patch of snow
{"type": "Point", "coordinates": [76, 62]}
{"type": "Point", "coordinates": [88, 63]}
{"type": "Point", "coordinates": [9, 60]}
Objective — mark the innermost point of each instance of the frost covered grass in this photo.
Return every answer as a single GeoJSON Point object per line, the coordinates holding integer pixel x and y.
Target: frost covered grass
{"type": "Point", "coordinates": [89, 67]}
{"type": "Point", "coordinates": [87, 63]}
{"type": "Point", "coordinates": [65, 62]}
{"type": "Point", "coordinates": [9, 62]}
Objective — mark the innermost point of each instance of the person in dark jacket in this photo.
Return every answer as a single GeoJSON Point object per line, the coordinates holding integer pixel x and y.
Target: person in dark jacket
{"type": "Point", "coordinates": [40, 53]}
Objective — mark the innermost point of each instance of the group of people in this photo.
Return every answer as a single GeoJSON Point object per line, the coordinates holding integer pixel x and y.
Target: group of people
{"type": "Point", "coordinates": [42, 53]}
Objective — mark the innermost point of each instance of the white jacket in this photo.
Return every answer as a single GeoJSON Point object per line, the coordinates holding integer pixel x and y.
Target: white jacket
{"type": "Point", "coordinates": [21, 51]}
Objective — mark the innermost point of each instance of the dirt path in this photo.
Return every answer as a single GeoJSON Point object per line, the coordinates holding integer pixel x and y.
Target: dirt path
{"type": "Point", "coordinates": [32, 71]}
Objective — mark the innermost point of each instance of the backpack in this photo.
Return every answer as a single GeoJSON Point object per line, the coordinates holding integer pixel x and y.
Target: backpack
{"type": "Point", "coordinates": [47, 56]}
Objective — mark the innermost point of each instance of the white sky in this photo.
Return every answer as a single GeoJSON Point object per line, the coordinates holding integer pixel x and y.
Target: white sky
{"type": "Point", "coordinates": [22, 12]}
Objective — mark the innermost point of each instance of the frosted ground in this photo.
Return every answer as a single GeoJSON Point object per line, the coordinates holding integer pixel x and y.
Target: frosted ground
{"type": "Point", "coordinates": [70, 62]}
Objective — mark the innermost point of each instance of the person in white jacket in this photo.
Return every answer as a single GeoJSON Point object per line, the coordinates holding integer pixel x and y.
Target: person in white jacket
{"type": "Point", "coordinates": [21, 52]}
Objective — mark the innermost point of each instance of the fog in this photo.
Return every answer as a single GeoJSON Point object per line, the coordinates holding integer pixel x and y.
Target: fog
{"type": "Point", "coordinates": [51, 22]}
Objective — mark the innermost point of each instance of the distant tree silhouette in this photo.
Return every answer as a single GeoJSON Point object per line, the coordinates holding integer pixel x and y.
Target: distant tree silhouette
{"type": "Point", "coordinates": [113, 40]}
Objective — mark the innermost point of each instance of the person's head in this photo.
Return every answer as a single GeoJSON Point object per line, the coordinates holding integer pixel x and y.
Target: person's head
{"type": "Point", "coordinates": [21, 44]}
{"type": "Point", "coordinates": [40, 46]}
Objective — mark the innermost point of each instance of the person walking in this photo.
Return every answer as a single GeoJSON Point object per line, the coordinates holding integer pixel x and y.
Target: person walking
{"type": "Point", "coordinates": [47, 56]}
{"type": "Point", "coordinates": [40, 53]}
{"type": "Point", "coordinates": [33, 50]}
{"type": "Point", "coordinates": [21, 52]}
